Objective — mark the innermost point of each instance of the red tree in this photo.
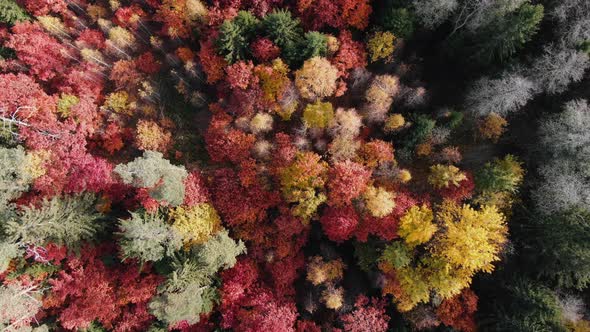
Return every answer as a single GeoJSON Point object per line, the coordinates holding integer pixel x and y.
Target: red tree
{"type": "Point", "coordinates": [458, 311]}
{"type": "Point", "coordinates": [339, 223]}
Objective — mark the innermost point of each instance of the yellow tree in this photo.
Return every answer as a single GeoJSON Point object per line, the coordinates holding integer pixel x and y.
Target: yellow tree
{"type": "Point", "coordinates": [316, 79]}
{"type": "Point", "coordinates": [416, 226]}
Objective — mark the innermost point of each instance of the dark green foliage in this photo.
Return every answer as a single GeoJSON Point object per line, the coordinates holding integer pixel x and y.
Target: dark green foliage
{"type": "Point", "coordinates": [11, 12]}
{"type": "Point", "coordinates": [421, 128]}
{"type": "Point", "coordinates": [455, 119]}
{"type": "Point", "coordinates": [585, 47]}
{"type": "Point", "coordinates": [235, 36]}
{"type": "Point", "coordinates": [366, 254]}
{"type": "Point", "coordinates": [558, 247]}
{"type": "Point", "coordinates": [285, 32]}
{"type": "Point", "coordinates": [506, 35]}
{"type": "Point", "coordinates": [501, 175]}
{"type": "Point", "coordinates": [400, 21]}
{"type": "Point", "coordinates": [525, 306]}
{"type": "Point", "coordinates": [314, 44]}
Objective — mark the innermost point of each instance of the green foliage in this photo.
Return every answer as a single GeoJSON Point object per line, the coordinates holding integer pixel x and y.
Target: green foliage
{"type": "Point", "coordinates": [189, 291]}
{"type": "Point", "coordinates": [11, 12]}
{"type": "Point", "coordinates": [397, 254]}
{"type": "Point", "coordinates": [285, 32]}
{"type": "Point", "coordinates": [366, 254]}
{"type": "Point", "coordinates": [400, 21]}
{"type": "Point", "coordinates": [500, 175]}
{"type": "Point", "coordinates": [235, 36]}
{"type": "Point", "coordinates": [148, 237]}
{"type": "Point", "coordinates": [14, 180]}
{"type": "Point", "coordinates": [421, 129]}
{"type": "Point", "coordinates": [8, 251]}
{"type": "Point", "coordinates": [527, 306]}
{"type": "Point", "coordinates": [186, 305]}
{"type": "Point", "coordinates": [559, 247]}
{"type": "Point", "coordinates": [455, 119]}
{"type": "Point", "coordinates": [61, 220]}
{"type": "Point", "coordinates": [504, 36]}
{"type": "Point", "coordinates": [314, 44]}
{"type": "Point", "coordinates": [164, 180]}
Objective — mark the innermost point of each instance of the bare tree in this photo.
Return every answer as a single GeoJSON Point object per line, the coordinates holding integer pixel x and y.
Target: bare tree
{"type": "Point", "coordinates": [573, 18]}
{"type": "Point", "coordinates": [558, 67]}
{"type": "Point", "coordinates": [432, 13]}
{"type": "Point", "coordinates": [501, 96]}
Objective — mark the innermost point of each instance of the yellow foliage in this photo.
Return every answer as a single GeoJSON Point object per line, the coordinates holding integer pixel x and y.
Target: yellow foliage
{"type": "Point", "coordinates": [416, 226]}
{"type": "Point", "coordinates": [121, 37]}
{"type": "Point", "coordinates": [473, 239]}
{"type": "Point", "coordinates": [150, 136]}
{"type": "Point", "coordinates": [333, 297]}
{"type": "Point", "coordinates": [318, 115]}
{"type": "Point", "coordinates": [316, 79]}
{"type": "Point", "coordinates": [380, 45]}
{"type": "Point", "coordinates": [404, 176]}
{"type": "Point", "coordinates": [319, 272]}
{"type": "Point", "coordinates": [119, 102]}
{"type": "Point", "coordinates": [492, 127]}
{"type": "Point", "coordinates": [65, 104]}
{"type": "Point", "coordinates": [445, 280]}
{"type": "Point", "coordinates": [261, 123]}
{"type": "Point", "coordinates": [35, 163]}
{"type": "Point", "coordinates": [379, 201]}
{"type": "Point", "coordinates": [394, 122]}
{"type": "Point", "coordinates": [441, 176]}
{"type": "Point", "coordinates": [53, 25]}
{"type": "Point", "coordinates": [413, 288]}
{"type": "Point", "coordinates": [195, 224]}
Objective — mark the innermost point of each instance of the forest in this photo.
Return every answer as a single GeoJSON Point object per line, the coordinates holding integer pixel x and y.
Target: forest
{"type": "Point", "coordinates": [295, 165]}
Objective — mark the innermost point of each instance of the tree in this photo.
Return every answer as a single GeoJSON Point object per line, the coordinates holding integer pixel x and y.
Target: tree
{"type": "Point", "coordinates": [507, 34]}
{"type": "Point", "coordinates": [558, 244]}
{"type": "Point", "coordinates": [318, 115]}
{"type": "Point", "coordinates": [558, 67]}
{"type": "Point", "coordinates": [11, 12]}
{"type": "Point", "coordinates": [303, 183]}
{"type": "Point", "coordinates": [196, 224]}
{"type": "Point", "coordinates": [164, 180]}
{"type": "Point", "coordinates": [564, 177]}
{"type": "Point", "coordinates": [492, 127]}
{"type": "Point", "coordinates": [20, 304]}
{"type": "Point", "coordinates": [500, 175]}
{"type": "Point", "coordinates": [416, 226]}
{"type": "Point", "coordinates": [458, 312]}
{"type": "Point", "coordinates": [314, 44]}
{"type": "Point", "coordinates": [501, 96]}
{"type": "Point", "coordinates": [150, 136]}
{"type": "Point", "coordinates": [316, 79]}
{"type": "Point", "coordinates": [381, 46]}
{"type": "Point", "coordinates": [400, 21]}
{"type": "Point", "coordinates": [285, 32]}
{"type": "Point", "coordinates": [147, 237]}
{"type": "Point", "coordinates": [473, 239]}
{"type": "Point", "coordinates": [379, 97]}
{"type": "Point", "coordinates": [339, 224]}
{"type": "Point", "coordinates": [14, 178]}
{"type": "Point", "coordinates": [68, 220]}
{"type": "Point", "coordinates": [433, 13]}
{"type": "Point", "coordinates": [368, 315]}
{"type": "Point", "coordinates": [235, 36]}
{"type": "Point", "coordinates": [346, 181]}
{"type": "Point", "coordinates": [572, 19]}
{"type": "Point", "coordinates": [443, 176]}
{"type": "Point", "coordinates": [378, 201]}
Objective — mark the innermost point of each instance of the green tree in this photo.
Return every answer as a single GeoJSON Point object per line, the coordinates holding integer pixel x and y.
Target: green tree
{"type": "Point", "coordinates": [400, 21]}
{"type": "Point", "coordinates": [147, 237]}
{"type": "Point", "coordinates": [11, 12]}
{"type": "Point", "coordinates": [164, 180]}
{"type": "Point", "coordinates": [559, 247]}
{"type": "Point", "coordinates": [235, 36]}
{"type": "Point", "coordinates": [506, 35]}
{"type": "Point", "coordinates": [285, 32]}
{"type": "Point", "coordinates": [61, 220]}
{"type": "Point", "coordinates": [314, 44]}
{"type": "Point", "coordinates": [500, 175]}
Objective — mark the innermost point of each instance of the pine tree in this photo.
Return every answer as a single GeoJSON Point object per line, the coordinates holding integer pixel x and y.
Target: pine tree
{"type": "Point", "coordinates": [11, 12]}
{"type": "Point", "coordinates": [61, 220]}
{"type": "Point", "coordinates": [164, 180]}
{"type": "Point", "coordinates": [147, 237]}
{"type": "Point", "coordinates": [235, 36]}
{"type": "Point", "coordinates": [285, 32]}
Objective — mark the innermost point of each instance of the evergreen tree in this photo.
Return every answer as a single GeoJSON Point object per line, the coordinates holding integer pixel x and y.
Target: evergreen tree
{"type": "Point", "coordinates": [235, 36]}
{"type": "Point", "coordinates": [61, 220]}
{"type": "Point", "coordinates": [164, 180]}
{"type": "Point", "coordinates": [147, 237]}
{"type": "Point", "coordinates": [11, 12]}
{"type": "Point", "coordinates": [285, 32]}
